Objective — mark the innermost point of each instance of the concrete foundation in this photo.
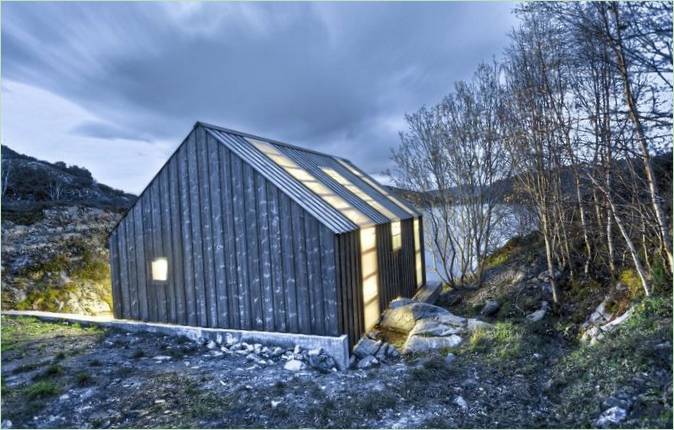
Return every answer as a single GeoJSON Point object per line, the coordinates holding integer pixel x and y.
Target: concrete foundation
{"type": "Point", "coordinates": [336, 347]}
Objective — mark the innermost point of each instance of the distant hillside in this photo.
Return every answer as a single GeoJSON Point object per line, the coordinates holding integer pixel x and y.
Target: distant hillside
{"type": "Point", "coordinates": [30, 185]}
{"type": "Point", "coordinates": [506, 189]}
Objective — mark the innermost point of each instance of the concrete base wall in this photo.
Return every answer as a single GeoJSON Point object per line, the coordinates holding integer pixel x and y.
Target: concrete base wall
{"type": "Point", "coordinates": [336, 347]}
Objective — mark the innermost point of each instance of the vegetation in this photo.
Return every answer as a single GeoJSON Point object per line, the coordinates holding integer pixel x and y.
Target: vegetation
{"type": "Point", "coordinates": [80, 265]}
{"type": "Point", "coordinates": [566, 131]}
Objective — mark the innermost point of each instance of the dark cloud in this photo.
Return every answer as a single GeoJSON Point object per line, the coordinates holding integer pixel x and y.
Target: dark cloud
{"type": "Point", "coordinates": [101, 130]}
{"type": "Point", "coordinates": [332, 76]}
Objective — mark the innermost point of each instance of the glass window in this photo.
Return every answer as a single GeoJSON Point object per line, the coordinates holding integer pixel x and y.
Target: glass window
{"type": "Point", "coordinates": [368, 255]}
{"type": "Point", "coordinates": [310, 181]}
{"type": "Point", "coordinates": [341, 180]}
{"type": "Point", "coordinates": [417, 252]}
{"type": "Point", "coordinates": [160, 269]}
{"type": "Point", "coordinates": [376, 186]}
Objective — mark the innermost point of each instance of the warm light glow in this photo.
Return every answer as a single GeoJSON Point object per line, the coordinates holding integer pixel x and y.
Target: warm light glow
{"type": "Point", "coordinates": [396, 238]}
{"type": "Point", "coordinates": [368, 253]}
{"type": "Point", "coordinates": [417, 252]}
{"type": "Point", "coordinates": [160, 269]}
{"type": "Point", "coordinates": [341, 180]}
{"type": "Point", "coordinates": [310, 181]}
{"type": "Point", "coordinates": [376, 187]}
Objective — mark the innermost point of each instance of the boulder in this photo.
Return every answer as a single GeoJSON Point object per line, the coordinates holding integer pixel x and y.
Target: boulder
{"type": "Point", "coordinates": [537, 315]}
{"type": "Point", "coordinates": [461, 402]}
{"type": "Point", "coordinates": [294, 365]}
{"type": "Point", "coordinates": [399, 318]}
{"type": "Point", "coordinates": [490, 308]}
{"type": "Point", "coordinates": [422, 344]}
{"type": "Point", "coordinates": [473, 324]}
{"type": "Point", "coordinates": [366, 362]}
{"type": "Point", "coordinates": [430, 327]}
{"type": "Point", "coordinates": [449, 359]}
{"type": "Point", "coordinates": [366, 346]}
{"type": "Point", "coordinates": [401, 301]}
{"type": "Point", "coordinates": [611, 416]}
{"type": "Point", "coordinates": [322, 362]}
{"type": "Point", "coordinates": [403, 318]}
{"type": "Point", "coordinates": [451, 319]}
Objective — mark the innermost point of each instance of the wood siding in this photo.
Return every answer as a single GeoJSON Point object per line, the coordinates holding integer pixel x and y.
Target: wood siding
{"type": "Point", "coordinates": [240, 253]}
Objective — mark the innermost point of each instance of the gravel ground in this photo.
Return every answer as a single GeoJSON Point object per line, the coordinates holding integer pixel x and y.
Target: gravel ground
{"type": "Point", "coordinates": [59, 375]}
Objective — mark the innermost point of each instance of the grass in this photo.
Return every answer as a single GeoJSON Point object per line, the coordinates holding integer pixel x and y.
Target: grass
{"type": "Point", "coordinates": [50, 372]}
{"type": "Point", "coordinates": [515, 247]}
{"type": "Point", "coordinates": [617, 363]}
{"type": "Point", "coordinates": [83, 379]}
{"type": "Point", "coordinates": [41, 389]}
{"type": "Point", "coordinates": [26, 368]}
{"type": "Point", "coordinates": [21, 332]}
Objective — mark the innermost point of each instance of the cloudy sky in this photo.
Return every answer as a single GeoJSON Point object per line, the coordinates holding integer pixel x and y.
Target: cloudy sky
{"type": "Point", "coordinates": [115, 87]}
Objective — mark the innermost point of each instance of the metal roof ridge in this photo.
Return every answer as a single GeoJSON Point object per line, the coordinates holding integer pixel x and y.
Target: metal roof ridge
{"type": "Point", "coordinates": [266, 139]}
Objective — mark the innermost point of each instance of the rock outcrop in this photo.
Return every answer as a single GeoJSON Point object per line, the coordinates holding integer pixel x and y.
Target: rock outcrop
{"type": "Point", "coordinates": [59, 263]}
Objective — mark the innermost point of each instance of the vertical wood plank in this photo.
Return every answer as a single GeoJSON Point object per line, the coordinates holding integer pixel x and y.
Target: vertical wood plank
{"type": "Point", "coordinates": [113, 246]}
{"type": "Point", "coordinates": [186, 224]}
{"type": "Point", "coordinates": [230, 236]}
{"type": "Point", "coordinates": [301, 281]}
{"type": "Point", "coordinates": [265, 257]}
{"type": "Point", "coordinates": [311, 280]}
{"type": "Point", "coordinates": [253, 247]}
{"type": "Point", "coordinates": [339, 285]}
{"type": "Point", "coordinates": [158, 247]}
{"type": "Point", "coordinates": [148, 246]}
{"type": "Point", "coordinates": [240, 221]}
{"type": "Point", "coordinates": [220, 280]}
{"type": "Point", "coordinates": [141, 272]}
{"type": "Point", "coordinates": [211, 302]}
{"type": "Point", "coordinates": [315, 276]}
{"type": "Point", "coordinates": [132, 311]}
{"type": "Point", "coordinates": [124, 274]}
{"type": "Point", "coordinates": [197, 234]}
{"type": "Point", "coordinates": [328, 282]}
{"type": "Point", "coordinates": [176, 242]}
{"type": "Point", "coordinates": [278, 283]}
{"type": "Point", "coordinates": [167, 243]}
{"type": "Point", "coordinates": [288, 263]}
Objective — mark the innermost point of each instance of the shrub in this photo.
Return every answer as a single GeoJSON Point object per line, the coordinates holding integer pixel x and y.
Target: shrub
{"type": "Point", "coordinates": [631, 280]}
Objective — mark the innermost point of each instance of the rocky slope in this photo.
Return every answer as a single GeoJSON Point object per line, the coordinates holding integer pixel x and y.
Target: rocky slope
{"type": "Point", "coordinates": [55, 222]}
{"type": "Point", "coordinates": [59, 263]}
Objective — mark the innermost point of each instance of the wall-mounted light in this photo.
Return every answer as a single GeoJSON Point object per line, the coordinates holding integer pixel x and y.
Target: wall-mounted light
{"type": "Point", "coordinates": [160, 269]}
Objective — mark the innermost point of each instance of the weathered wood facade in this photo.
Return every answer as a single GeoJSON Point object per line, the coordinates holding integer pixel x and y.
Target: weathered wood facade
{"type": "Point", "coordinates": [248, 246]}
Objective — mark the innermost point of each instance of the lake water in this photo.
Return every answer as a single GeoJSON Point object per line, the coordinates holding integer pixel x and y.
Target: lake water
{"type": "Point", "coordinates": [511, 224]}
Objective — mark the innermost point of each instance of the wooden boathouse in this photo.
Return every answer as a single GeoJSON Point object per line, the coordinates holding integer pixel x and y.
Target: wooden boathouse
{"type": "Point", "coordinates": [242, 232]}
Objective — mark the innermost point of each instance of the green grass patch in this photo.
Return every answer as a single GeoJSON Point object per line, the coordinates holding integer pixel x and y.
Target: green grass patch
{"type": "Point", "coordinates": [41, 389]}
{"type": "Point", "coordinates": [515, 247]}
{"type": "Point", "coordinates": [50, 372]}
{"type": "Point", "coordinates": [617, 363]}
{"type": "Point", "coordinates": [21, 332]}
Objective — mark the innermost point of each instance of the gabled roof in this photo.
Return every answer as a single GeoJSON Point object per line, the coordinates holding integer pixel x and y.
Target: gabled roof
{"type": "Point", "coordinates": [333, 190]}
{"type": "Point", "coordinates": [330, 188]}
